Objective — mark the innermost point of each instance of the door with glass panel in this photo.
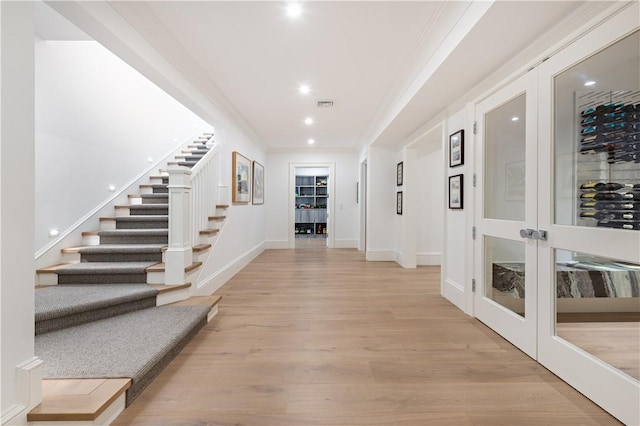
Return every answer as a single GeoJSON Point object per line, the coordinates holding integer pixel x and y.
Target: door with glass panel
{"type": "Point", "coordinates": [589, 268]}
{"type": "Point", "coordinates": [505, 246]}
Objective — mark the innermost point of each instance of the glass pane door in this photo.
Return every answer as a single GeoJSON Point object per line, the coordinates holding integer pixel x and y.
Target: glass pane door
{"type": "Point", "coordinates": [506, 267]}
{"type": "Point", "coordinates": [589, 294]}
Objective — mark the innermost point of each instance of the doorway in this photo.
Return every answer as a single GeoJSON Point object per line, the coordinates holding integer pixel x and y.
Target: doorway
{"type": "Point", "coordinates": [311, 208]}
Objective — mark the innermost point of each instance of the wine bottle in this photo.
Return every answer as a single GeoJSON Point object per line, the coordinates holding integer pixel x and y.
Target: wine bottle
{"type": "Point", "coordinates": [608, 186]}
{"type": "Point", "coordinates": [598, 195]}
{"type": "Point", "coordinates": [602, 215]}
{"type": "Point", "coordinates": [601, 186]}
{"type": "Point", "coordinates": [620, 224]}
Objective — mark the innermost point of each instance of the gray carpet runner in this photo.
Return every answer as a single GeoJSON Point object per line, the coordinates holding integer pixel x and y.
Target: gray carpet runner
{"type": "Point", "coordinates": [63, 306]}
{"type": "Point", "coordinates": [101, 320]}
{"type": "Point", "coordinates": [136, 345]}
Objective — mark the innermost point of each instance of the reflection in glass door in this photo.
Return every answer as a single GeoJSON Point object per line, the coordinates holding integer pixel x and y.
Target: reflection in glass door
{"type": "Point", "coordinates": [506, 267]}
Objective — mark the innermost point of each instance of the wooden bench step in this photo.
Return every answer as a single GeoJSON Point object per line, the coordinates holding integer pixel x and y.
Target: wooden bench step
{"type": "Point", "coordinates": [75, 400]}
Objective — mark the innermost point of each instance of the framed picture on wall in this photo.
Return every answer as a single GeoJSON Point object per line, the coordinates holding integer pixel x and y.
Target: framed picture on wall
{"type": "Point", "coordinates": [258, 183]}
{"type": "Point", "coordinates": [399, 173]}
{"type": "Point", "coordinates": [241, 166]}
{"type": "Point", "coordinates": [456, 192]}
{"type": "Point", "coordinates": [456, 149]}
{"type": "Point", "coordinates": [399, 202]}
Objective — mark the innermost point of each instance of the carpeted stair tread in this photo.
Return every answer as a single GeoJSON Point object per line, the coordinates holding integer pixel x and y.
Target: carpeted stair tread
{"type": "Point", "coordinates": [148, 206]}
{"type": "Point", "coordinates": [146, 218]}
{"type": "Point", "coordinates": [122, 248]}
{"type": "Point", "coordinates": [136, 345]}
{"type": "Point", "coordinates": [87, 268]}
{"type": "Point", "coordinates": [62, 306]}
{"type": "Point", "coordinates": [134, 232]}
{"type": "Point", "coordinates": [60, 300]}
{"type": "Point", "coordinates": [187, 163]}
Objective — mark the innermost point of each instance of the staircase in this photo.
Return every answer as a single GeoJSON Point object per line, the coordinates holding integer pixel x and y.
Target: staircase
{"type": "Point", "coordinates": [106, 323]}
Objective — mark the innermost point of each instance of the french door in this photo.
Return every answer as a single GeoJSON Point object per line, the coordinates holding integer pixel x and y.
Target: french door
{"type": "Point", "coordinates": [506, 213]}
{"type": "Point", "coordinates": [557, 214]}
{"type": "Point", "coordinates": [589, 201]}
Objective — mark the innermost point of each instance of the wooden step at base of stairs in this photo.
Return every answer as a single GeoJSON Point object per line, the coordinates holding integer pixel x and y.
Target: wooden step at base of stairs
{"type": "Point", "coordinates": [92, 401]}
{"type": "Point", "coordinates": [211, 301]}
{"type": "Point", "coordinates": [171, 293]}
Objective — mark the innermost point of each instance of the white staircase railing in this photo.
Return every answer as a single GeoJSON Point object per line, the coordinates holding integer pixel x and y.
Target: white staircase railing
{"type": "Point", "coordinates": [192, 199]}
{"type": "Point", "coordinates": [204, 191]}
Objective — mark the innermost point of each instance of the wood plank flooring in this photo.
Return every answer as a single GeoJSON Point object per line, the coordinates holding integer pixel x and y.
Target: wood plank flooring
{"type": "Point", "coordinates": [322, 337]}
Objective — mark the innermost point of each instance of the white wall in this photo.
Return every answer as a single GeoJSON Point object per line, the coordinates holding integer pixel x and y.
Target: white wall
{"type": "Point", "coordinates": [382, 221]}
{"type": "Point", "coordinates": [98, 121]}
{"type": "Point", "coordinates": [20, 369]}
{"type": "Point", "coordinates": [346, 220]}
{"type": "Point", "coordinates": [430, 208]}
{"type": "Point", "coordinates": [457, 262]}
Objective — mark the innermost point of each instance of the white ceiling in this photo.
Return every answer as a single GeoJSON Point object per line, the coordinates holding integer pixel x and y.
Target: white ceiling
{"type": "Point", "coordinates": [390, 66]}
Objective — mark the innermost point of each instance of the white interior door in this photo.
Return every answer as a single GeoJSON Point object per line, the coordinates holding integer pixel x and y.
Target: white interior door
{"type": "Point", "coordinates": [589, 268]}
{"type": "Point", "coordinates": [506, 213]}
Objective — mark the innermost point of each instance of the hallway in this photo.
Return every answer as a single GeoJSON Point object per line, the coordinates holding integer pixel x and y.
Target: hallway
{"type": "Point", "coordinates": [322, 337]}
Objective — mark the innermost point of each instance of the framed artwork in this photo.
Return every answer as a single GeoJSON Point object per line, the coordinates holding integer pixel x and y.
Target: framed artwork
{"type": "Point", "coordinates": [399, 202]}
{"type": "Point", "coordinates": [456, 191]}
{"type": "Point", "coordinates": [399, 173]}
{"type": "Point", "coordinates": [456, 149]}
{"type": "Point", "coordinates": [258, 183]}
{"type": "Point", "coordinates": [241, 167]}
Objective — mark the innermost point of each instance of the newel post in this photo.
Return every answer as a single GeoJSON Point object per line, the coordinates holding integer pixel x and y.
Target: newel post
{"type": "Point", "coordinates": [179, 253]}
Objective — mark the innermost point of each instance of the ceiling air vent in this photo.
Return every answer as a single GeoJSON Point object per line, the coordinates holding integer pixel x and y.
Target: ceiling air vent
{"type": "Point", "coordinates": [325, 103]}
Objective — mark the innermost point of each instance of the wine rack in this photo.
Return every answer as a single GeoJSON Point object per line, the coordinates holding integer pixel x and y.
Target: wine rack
{"type": "Point", "coordinates": [608, 169]}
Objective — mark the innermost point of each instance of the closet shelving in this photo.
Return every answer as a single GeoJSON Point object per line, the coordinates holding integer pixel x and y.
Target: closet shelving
{"type": "Point", "coordinates": [312, 197]}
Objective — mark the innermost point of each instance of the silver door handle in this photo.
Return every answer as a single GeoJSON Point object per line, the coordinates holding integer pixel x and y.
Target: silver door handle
{"type": "Point", "coordinates": [539, 235]}
{"type": "Point", "coordinates": [526, 233]}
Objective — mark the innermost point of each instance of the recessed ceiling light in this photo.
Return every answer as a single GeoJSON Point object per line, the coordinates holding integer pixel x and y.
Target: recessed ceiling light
{"type": "Point", "coordinates": [311, 141]}
{"type": "Point", "coordinates": [308, 121]}
{"type": "Point", "coordinates": [294, 10]}
{"type": "Point", "coordinates": [514, 118]}
{"type": "Point", "coordinates": [304, 89]}
{"type": "Point", "coordinates": [589, 83]}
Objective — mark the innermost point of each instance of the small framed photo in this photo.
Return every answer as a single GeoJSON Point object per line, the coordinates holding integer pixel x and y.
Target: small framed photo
{"type": "Point", "coordinates": [456, 192]}
{"type": "Point", "coordinates": [399, 173]}
{"type": "Point", "coordinates": [399, 202]}
{"type": "Point", "coordinates": [241, 165]}
{"type": "Point", "coordinates": [456, 149]}
{"type": "Point", "coordinates": [258, 183]}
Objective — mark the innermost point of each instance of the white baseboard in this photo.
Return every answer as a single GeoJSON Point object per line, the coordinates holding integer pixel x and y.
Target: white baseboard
{"type": "Point", "coordinates": [213, 282]}
{"type": "Point", "coordinates": [429, 259]}
{"type": "Point", "coordinates": [381, 256]}
{"type": "Point", "coordinates": [28, 392]}
{"type": "Point", "coordinates": [278, 245]}
{"type": "Point", "coordinates": [454, 293]}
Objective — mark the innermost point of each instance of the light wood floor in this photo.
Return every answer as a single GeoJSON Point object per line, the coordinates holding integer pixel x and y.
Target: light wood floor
{"type": "Point", "coordinates": [321, 337]}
